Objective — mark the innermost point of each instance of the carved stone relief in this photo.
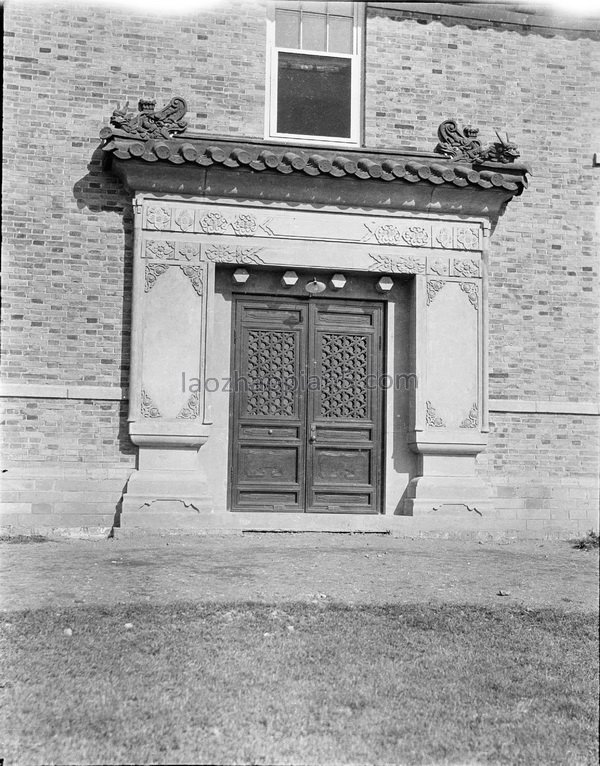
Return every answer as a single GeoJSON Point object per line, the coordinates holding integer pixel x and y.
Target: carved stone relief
{"type": "Point", "coordinates": [432, 419]}
{"type": "Point", "coordinates": [465, 267]}
{"type": "Point", "coordinates": [467, 238]}
{"type": "Point", "coordinates": [397, 264]}
{"type": "Point", "coordinates": [158, 217]}
{"type": "Point", "coordinates": [444, 237]}
{"type": "Point", "coordinates": [191, 409]}
{"type": "Point", "coordinates": [416, 236]}
{"type": "Point", "coordinates": [229, 254]}
{"type": "Point", "coordinates": [439, 266]}
{"type": "Point", "coordinates": [147, 407]}
{"type": "Point", "coordinates": [193, 273]}
{"type": "Point", "coordinates": [472, 293]}
{"type": "Point", "coordinates": [433, 288]}
{"type": "Point", "coordinates": [471, 420]}
{"type": "Point", "coordinates": [152, 273]}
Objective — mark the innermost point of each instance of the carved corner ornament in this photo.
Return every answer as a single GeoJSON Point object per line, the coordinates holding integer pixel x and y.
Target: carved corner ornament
{"type": "Point", "coordinates": [432, 419]}
{"type": "Point", "coordinates": [433, 288]}
{"type": "Point", "coordinates": [191, 409]}
{"type": "Point", "coordinates": [464, 146]}
{"type": "Point", "coordinates": [147, 123]}
{"type": "Point", "coordinates": [472, 293]}
{"type": "Point", "coordinates": [147, 407]}
{"type": "Point", "coordinates": [471, 420]}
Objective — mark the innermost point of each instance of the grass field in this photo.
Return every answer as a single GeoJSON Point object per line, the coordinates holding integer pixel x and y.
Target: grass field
{"type": "Point", "coordinates": [318, 683]}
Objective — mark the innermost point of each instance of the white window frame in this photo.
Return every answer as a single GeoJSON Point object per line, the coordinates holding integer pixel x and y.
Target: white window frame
{"type": "Point", "coordinates": [356, 87]}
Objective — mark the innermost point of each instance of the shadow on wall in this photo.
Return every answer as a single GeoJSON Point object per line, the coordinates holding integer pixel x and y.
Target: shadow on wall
{"type": "Point", "coordinates": [100, 194]}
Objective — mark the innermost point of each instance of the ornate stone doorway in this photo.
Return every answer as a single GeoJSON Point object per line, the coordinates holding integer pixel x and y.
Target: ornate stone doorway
{"type": "Point", "coordinates": [306, 426]}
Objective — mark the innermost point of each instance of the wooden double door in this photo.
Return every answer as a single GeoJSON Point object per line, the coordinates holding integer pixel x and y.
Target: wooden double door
{"type": "Point", "coordinates": [306, 425]}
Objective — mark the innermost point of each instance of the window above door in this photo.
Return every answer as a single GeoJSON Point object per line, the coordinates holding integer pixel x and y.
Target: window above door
{"type": "Point", "coordinates": [314, 67]}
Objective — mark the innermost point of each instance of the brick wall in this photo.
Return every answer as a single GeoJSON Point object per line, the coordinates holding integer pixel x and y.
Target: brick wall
{"type": "Point", "coordinates": [67, 225]}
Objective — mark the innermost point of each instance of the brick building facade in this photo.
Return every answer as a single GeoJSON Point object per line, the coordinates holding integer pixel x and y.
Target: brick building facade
{"type": "Point", "coordinates": [69, 244]}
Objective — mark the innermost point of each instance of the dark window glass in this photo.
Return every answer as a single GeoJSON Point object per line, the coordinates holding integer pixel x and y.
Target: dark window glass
{"type": "Point", "coordinates": [313, 95]}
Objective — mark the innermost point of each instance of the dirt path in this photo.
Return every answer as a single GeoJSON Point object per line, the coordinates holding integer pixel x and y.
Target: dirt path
{"type": "Point", "coordinates": [275, 568]}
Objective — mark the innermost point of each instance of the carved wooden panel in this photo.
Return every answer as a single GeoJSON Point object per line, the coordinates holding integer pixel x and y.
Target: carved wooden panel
{"type": "Point", "coordinates": [306, 416]}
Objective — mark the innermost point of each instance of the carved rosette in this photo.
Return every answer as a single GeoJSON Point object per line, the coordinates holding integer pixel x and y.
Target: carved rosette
{"type": "Point", "coordinates": [465, 268]}
{"type": "Point", "coordinates": [158, 218]}
{"type": "Point", "coordinates": [444, 238]}
{"type": "Point", "coordinates": [228, 254]}
{"type": "Point", "coordinates": [472, 293]}
{"type": "Point", "coordinates": [152, 273]}
{"type": "Point", "coordinates": [397, 264]}
{"type": "Point", "coordinates": [184, 219]}
{"type": "Point", "coordinates": [433, 288]}
{"type": "Point", "coordinates": [416, 236]}
{"type": "Point", "coordinates": [439, 266]}
{"type": "Point", "coordinates": [212, 222]}
{"type": "Point", "coordinates": [432, 419]}
{"type": "Point", "coordinates": [147, 406]}
{"type": "Point", "coordinates": [188, 251]}
{"type": "Point", "coordinates": [160, 249]}
{"type": "Point", "coordinates": [471, 421]}
{"type": "Point", "coordinates": [244, 225]}
{"type": "Point", "coordinates": [191, 409]}
{"type": "Point", "coordinates": [467, 238]}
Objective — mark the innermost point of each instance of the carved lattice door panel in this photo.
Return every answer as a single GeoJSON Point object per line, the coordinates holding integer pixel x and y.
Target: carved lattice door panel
{"type": "Point", "coordinates": [307, 411]}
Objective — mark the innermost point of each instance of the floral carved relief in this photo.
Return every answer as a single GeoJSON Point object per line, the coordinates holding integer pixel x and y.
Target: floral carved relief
{"type": "Point", "coordinates": [439, 266]}
{"type": "Point", "coordinates": [397, 264]}
{"type": "Point", "coordinates": [432, 419]}
{"type": "Point", "coordinates": [147, 406]}
{"type": "Point", "coordinates": [158, 218]}
{"type": "Point", "coordinates": [472, 293]}
{"type": "Point", "coordinates": [152, 273]}
{"type": "Point", "coordinates": [229, 254]}
{"type": "Point", "coordinates": [433, 288]}
{"type": "Point", "coordinates": [212, 222]}
{"type": "Point", "coordinates": [465, 268]}
{"type": "Point", "coordinates": [184, 219]}
{"type": "Point", "coordinates": [467, 238]}
{"type": "Point", "coordinates": [416, 236]}
{"type": "Point", "coordinates": [188, 251]}
{"type": "Point", "coordinates": [191, 408]}
{"type": "Point", "coordinates": [444, 238]}
{"type": "Point", "coordinates": [471, 420]}
{"type": "Point", "coordinates": [244, 225]}
{"type": "Point", "coordinates": [194, 274]}
{"type": "Point", "coordinates": [161, 249]}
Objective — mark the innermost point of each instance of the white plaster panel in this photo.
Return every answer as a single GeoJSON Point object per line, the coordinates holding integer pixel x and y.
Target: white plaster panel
{"type": "Point", "coordinates": [172, 326]}
{"type": "Point", "coordinates": [452, 355]}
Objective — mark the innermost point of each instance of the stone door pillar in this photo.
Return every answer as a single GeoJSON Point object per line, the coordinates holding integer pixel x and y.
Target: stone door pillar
{"type": "Point", "coordinates": [449, 419]}
{"type": "Point", "coordinates": [169, 420]}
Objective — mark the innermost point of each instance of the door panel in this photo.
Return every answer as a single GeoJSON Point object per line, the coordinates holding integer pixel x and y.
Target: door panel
{"type": "Point", "coordinates": [269, 414]}
{"type": "Point", "coordinates": [343, 464]}
{"type": "Point", "coordinates": [306, 422]}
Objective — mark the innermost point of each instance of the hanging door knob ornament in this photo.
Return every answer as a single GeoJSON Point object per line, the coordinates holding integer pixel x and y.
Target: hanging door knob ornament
{"type": "Point", "coordinates": [315, 286]}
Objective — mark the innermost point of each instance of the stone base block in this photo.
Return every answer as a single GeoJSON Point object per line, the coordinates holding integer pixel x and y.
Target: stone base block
{"type": "Point", "coordinates": [447, 496]}
{"type": "Point", "coordinates": [172, 495]}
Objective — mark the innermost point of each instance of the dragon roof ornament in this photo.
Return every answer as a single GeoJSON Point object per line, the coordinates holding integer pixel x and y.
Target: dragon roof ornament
{"type": "Point", "coordinates": [464, 146]}
{"type": "Point", "coordinates": [148, 123]}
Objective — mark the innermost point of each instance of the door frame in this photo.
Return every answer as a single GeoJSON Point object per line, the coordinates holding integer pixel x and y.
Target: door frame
{"type": "Point", "coordinates": [379, 404]}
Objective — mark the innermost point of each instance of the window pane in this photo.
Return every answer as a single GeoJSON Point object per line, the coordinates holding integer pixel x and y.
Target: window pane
{"type": "Point", "coordinates": [287, 29]}
{"type": "Point", "coordinates": [313, 95]}
{"type": "Point", "coordinates": [314, 32]}
{"type": "Point", "coordinates": [340, 34]}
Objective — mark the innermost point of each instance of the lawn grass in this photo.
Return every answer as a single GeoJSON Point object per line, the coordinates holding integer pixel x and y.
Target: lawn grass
{"type": "Point", "coordinates": [319, 683]}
